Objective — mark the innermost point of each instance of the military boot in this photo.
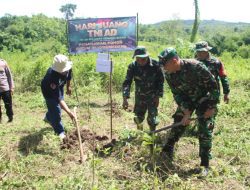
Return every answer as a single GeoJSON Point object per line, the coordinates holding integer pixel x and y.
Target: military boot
{"type": "Point", "coordinates": [152, 127]}
{"type": "Point", "coordinates": [10, 119]}
{"type": "Point", "coordinates": [139, 124]}
{"type": "Point", "coordinates": [204, 170]}
{"type": "Point", "coordinates": [168, 150]}
{"type": "Point", "coordinates": [204, 162]}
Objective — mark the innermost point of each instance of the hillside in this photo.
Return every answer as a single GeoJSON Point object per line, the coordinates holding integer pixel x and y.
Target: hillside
{"type": "Point", "coordinates": [224, 36]}
{"type": "Point", "coordinates": [210, 23]}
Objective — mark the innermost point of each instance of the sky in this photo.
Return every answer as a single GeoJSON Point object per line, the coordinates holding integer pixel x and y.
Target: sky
{"type": "Point", "coordinates": [149, 11]}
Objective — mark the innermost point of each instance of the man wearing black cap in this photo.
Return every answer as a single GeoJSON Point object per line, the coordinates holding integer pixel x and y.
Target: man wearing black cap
{"type": "Point", "coordinates": [194, 89]}
{"type": "Point", "coordinates": [149, 81]}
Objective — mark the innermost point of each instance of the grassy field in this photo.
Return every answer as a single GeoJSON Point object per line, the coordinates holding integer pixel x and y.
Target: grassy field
{"type": "Point", "coordinates": [32, 157]}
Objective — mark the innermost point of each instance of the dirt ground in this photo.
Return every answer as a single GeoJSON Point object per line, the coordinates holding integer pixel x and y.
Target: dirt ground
{"type": "Point", "coordinates": [87, 137]}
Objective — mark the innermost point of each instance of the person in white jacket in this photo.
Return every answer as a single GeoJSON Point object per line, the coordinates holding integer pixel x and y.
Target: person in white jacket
{"type": "Point", "coordinates": [6, 89]}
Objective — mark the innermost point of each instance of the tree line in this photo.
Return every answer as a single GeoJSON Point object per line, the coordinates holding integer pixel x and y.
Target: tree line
{"type": "Point", "coordinates": [41, 33]}
{"type": "Point", "coordinates": [223, 36]}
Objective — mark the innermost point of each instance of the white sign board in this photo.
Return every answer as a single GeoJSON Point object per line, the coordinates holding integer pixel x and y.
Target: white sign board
{"type": "Point", "coordinates": [103, 63]}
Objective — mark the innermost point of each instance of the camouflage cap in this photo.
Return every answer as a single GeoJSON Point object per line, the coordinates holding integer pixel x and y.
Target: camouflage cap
{"type": "Point", "coordinates": [140, 51]}
{"type": "Point", "coordinates": [202, 46]}
{"type": "Point", "coordinates": [167, 54]}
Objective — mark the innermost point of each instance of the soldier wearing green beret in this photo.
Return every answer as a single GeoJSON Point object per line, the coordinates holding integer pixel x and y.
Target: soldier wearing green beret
{"type": "Point", "coordinates": [149, 80]}
{"type": "Point", "coordinates": [214, 65]}
{"type": "Point", "coordinates": [194, 89]}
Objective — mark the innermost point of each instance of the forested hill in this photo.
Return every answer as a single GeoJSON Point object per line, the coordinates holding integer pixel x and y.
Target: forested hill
{"type": "Point", "coordinates": [225, 36]}
{"type": "Point", "coordinates": [210, 23]}
{"type": "Point", "coordinates": [41, 33]}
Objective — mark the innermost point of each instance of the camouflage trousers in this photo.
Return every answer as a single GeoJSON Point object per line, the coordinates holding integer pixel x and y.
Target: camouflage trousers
{"type": "Point", "coordinates": [205, 130]}
{"type": "Point", "coordinates": [144, 104]}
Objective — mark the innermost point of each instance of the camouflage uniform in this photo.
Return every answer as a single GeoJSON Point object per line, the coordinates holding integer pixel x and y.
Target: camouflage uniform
{"type": "Point", "coordinates": [149, 81]}
{"type": "Point", "coordinates": [216, 67]}
{"type": "Point", "coordinates": [194, 88]}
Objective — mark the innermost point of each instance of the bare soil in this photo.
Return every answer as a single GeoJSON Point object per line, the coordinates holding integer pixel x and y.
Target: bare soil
{"type": "Point", "coordinates": [88, 138]}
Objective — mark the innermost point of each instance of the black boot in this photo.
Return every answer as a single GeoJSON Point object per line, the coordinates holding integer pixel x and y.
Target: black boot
{"type": "Point", "coordinates": [204, 167]}
{"type": "Point", "coordinates": [152, 127]}
{"type": "Point", "coordinates": [10, 119]}
{"type": "Point", "coordinates": [168, 149]}
{"type": "Point", "coordinates": [205, 162]}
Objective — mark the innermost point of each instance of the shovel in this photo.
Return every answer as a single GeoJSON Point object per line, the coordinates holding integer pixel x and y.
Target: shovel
{"type": "Point", "coordinates": [166, 127]}
{"type": "Point", "coordinates": [79, 136]}
{"type": "Point", "coordinates": [170, 126]}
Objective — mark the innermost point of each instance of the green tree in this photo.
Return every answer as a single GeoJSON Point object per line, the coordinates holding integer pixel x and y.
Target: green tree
{"type": "Point", "coordinates": [68, 10]}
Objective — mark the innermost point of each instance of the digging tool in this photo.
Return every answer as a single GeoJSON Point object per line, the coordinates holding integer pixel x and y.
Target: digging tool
{"type": "Point", "coordinates": [165, 128]}
{"type": "Point", "coordinates": [170, 126]}
{"type": "Point", "coordinates": [79, 136]}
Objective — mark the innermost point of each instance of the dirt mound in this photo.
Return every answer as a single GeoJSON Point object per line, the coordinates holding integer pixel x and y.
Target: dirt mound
{"type": "Point", "coordinates": [89, 139]}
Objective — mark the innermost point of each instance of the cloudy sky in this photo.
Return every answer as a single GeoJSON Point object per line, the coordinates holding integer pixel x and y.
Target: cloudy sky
{"type": "Point", "coordinates": [149, 11]}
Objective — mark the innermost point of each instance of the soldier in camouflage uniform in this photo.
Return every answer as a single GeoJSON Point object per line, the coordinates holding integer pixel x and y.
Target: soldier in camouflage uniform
{"type": "Point", "coordinates": [149, 80]}
{"type": "Point", "coordinates": [214, 65]}
{"type": "Point", "coordinates": [195, 90]}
